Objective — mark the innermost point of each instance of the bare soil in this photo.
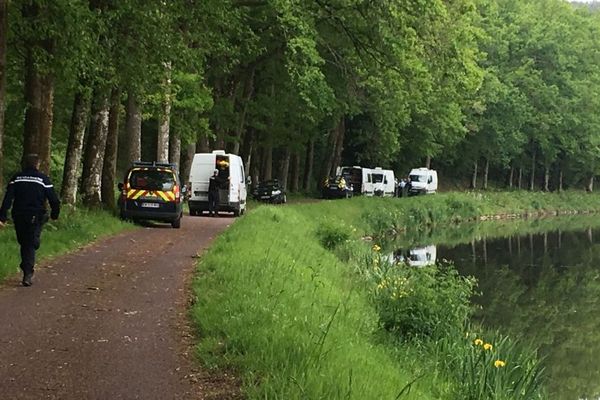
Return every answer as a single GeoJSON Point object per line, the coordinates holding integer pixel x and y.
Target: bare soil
{"type": "Point", "coordinates": [110, 321]}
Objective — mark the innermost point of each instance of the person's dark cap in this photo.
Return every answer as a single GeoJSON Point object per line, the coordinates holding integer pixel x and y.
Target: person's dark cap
{"type": "Point", "coordinates": [31, 160]}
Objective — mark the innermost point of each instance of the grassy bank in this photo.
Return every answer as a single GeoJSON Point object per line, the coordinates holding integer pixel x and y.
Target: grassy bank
{"type": "Point", "coordinates": [296, 320]}
{"type": "Point", "coordinates": [74, 228]}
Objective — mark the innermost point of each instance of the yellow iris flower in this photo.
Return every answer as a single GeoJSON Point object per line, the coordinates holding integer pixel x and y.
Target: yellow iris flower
{"type": "Point", "coordinates": [499, 363]}
{"type": "Point", "coordinates": [488, 346]}
{"type": "Point", "coordinates": [376, 247]}
{"type": "Point", "coordinates": [478, 342]}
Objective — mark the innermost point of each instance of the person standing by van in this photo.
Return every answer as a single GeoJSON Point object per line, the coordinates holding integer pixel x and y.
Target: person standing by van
{"type": "Point", "coordinates": [214, 184]}
{"type": "Point", "coordinates": [27, 193]}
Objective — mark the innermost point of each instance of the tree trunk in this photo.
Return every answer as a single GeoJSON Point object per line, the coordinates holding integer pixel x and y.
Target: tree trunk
{"type": "Point", "coordinates": [339, 146]}
{"type": "Point", "coordinates": [474, 176]}
{"type": "Point", "coordinates": [267, 173]}
{"type": "Point", "coordinates": [162, 147]}
{"type": "Point", "coordinates": [3, 32]}
{"type": "Point", "coordinates": [486, 172]}
{"type": "Point", "coordinates": [133, 128]}
{"type": "Point", "coordinates": [186, 162]}
{"type": "Point", "coordinates": [308, 165]}
{"type": "Point", "coordinates": [109, 167]}
{"type": "Point", "coordinates": [532, 181]}
{"type": "Point", "coordinates": [546, 178]}
{"type": "Point", "coordinates": [520, 178]}
{"type": "Point", "coordinates": [46, 121]}
{"type": "Point", "coordinates": [285, 168]}
{"type": "Point", "coordinates": [203, 145]}
{"type": "Point", "coordinates": [175, 149]}
{"type": "Point", "coordinates": [79, 121]}
{"type": "Point", "coordinates": [295, 173]}
{"type": "Point", "coordinates": [511, 176]}
{"type": "Point", "coordinates": [248, 91]}
{"type": "Point", "coordinates": [560, 179]}
{"type": "Point", "coordinates": [94, 151]}
{"type": "Point", "coordinates": [428, 162]}
{"type": "Point", "coordinates": [33, 104]}
{"type": "Point", "coordinates": [590, 185]}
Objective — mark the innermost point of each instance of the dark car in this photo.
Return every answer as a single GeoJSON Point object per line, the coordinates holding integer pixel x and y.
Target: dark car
{"type": "Point", "coordinates": [270, 192]}
{"type": "Point", "coordinates": [152, 191]}
{"type": "Point", "coordinates": [336, 187]}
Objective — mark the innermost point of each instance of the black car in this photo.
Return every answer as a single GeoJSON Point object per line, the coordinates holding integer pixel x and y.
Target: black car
{"type": "Point", "coordinates": [336, 187]}
{"type": "Point", "coordinates": [270, 192]}
{"type": "Point", "coordinates": [152, 191]}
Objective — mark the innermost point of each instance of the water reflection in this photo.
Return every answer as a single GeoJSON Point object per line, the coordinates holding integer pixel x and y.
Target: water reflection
{"type": "Point", "coordinates": [415, 257]}
{"type": "Point", "coordinates": [546, 288]}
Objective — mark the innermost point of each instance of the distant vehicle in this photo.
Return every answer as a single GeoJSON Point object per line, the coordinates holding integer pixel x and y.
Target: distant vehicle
{"type": "Point", "coordinates": [337, 187]}
{"type": "Point", "coordinates": [378, 182]}
{"type": "Point", "coordinates": [353, 176]}
{"type": "Point", "coordinates": [423, 181]}
{"type": "Point", "coordinates": [417, 257]}
{"type": "Point", "coordinates": [231, 168]}
{"type": "Point", "coordinates": [152, 191]}
{"type": "Point", "coordinates": [270, 191]}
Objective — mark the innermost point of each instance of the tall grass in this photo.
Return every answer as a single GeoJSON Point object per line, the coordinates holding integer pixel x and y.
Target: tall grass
{"type": "Point", "coordinates": [74, 228]}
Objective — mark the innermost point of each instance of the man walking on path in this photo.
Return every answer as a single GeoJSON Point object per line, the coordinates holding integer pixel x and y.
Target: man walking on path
{"type": "Point", "coordinates": [27, 193]}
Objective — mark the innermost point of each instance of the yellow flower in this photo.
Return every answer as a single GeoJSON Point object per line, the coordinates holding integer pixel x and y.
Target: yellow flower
{"type": "Point", "coordinates": [499, 364]}
{"type": "Point", "coordinates": [478, 342]}
{"type": "Point", "coordinates": [376, 247]}
{"type": "Point", "coordinates": [488, 346]}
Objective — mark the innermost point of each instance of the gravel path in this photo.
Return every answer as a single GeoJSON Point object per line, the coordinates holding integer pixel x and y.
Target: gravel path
{"type": "Point", "coordinates": [109, 321]}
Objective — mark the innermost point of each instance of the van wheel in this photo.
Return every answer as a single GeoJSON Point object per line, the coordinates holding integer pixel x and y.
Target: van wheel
{"type": "Point", "coordinates": [177, 223]}
{"type": "Point", "coordinates": [236, 212]}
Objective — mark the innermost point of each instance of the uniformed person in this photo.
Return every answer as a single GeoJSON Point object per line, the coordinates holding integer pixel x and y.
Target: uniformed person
{"type": "Point", "coordinates": [27, 193]}
{"type": "Point", "coordinates": [214, 184]}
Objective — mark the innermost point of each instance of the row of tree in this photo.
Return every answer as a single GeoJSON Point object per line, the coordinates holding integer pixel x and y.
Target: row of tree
{"type": "Point", "coordinates": [300, 87]}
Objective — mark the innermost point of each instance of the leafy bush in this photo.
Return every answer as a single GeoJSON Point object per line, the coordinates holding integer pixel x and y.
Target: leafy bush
{"type": "Point", "coordinates": [431, 301]}
{"type": "Point", "coordinates": [331, 234]}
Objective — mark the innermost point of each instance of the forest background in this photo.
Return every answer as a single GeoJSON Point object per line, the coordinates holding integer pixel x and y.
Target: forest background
{"type": "Point", "coordinates": [485, 91]}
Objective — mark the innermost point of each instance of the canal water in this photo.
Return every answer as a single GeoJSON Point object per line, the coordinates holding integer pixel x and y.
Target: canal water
{"type": "Point", "coordinates": [539, 280]}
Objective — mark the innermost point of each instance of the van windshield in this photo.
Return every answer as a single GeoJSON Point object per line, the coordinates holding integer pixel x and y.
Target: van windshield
{"type": "Point", "coordinates": [152, 180]}
{"type": "Point", "coordinates": [418, 178]}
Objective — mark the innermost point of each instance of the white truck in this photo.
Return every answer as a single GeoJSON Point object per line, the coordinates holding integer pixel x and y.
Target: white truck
{"type": "Point", "coordinates": [423, 181]}
{"type": "Point", "coordinates": [231, 168]}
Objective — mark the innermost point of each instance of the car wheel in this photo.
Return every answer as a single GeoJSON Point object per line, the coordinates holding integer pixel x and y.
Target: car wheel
{"type": "Point", "coordinates": [177, 223]}
{"type": "Point", "coordinates": [236, 212]}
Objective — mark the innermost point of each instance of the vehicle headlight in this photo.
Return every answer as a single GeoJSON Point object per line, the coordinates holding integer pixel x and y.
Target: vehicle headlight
{"type": "Point", "coordinates": [275, 192]}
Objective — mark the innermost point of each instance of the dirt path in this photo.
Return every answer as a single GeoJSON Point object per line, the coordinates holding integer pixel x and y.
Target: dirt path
{"type": "Point", "coordinates": [109, 321]}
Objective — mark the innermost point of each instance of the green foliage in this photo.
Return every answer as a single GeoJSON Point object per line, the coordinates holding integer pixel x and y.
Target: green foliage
{"type": "Point", "coordinates": [495, 367]}
{"type": "Point", "coordinates": [431, 302]}
{"type": "Point", "coordinates": [331, 234]}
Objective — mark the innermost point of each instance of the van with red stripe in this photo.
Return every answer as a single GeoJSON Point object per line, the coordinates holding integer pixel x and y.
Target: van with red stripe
{"type": "Point", "coordinates": [152, 191]}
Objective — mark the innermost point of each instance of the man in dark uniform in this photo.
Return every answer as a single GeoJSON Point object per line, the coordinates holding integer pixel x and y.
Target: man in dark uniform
{"type": "Point", "coordinates": [214, 184]}
{"type": "Point", "coordinates": [27, 193]}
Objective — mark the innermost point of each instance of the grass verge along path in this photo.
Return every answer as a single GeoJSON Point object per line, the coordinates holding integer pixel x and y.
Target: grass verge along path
{"type": "Point", "coordinates": [294, 320]}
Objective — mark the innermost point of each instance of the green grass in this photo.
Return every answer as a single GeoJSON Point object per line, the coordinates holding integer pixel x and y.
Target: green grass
{"type": "Point", "coordinates": [75, 227]}
{"type": "Point", "coordinates": [295, 320]}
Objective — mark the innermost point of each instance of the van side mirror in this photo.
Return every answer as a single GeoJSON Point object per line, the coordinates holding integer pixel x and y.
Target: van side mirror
{"type": "Point", "coordinates": [120, 186]}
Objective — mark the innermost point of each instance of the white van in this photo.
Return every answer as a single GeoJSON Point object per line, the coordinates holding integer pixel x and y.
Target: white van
{"type": "Point", "coordinates": [417, 257]}
{"type": "Point", "coordinates": [423, 181]}
{"type": "Point", "coordinates": [230, 166]}
{"type": "Point", "coordinates": [378, 182]}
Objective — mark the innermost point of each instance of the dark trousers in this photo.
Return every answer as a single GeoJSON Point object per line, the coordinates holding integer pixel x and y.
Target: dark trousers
{"type": "Point", "coordinates": [29, 230]}
{"type": "Point", "coordinates": [213, 202]}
